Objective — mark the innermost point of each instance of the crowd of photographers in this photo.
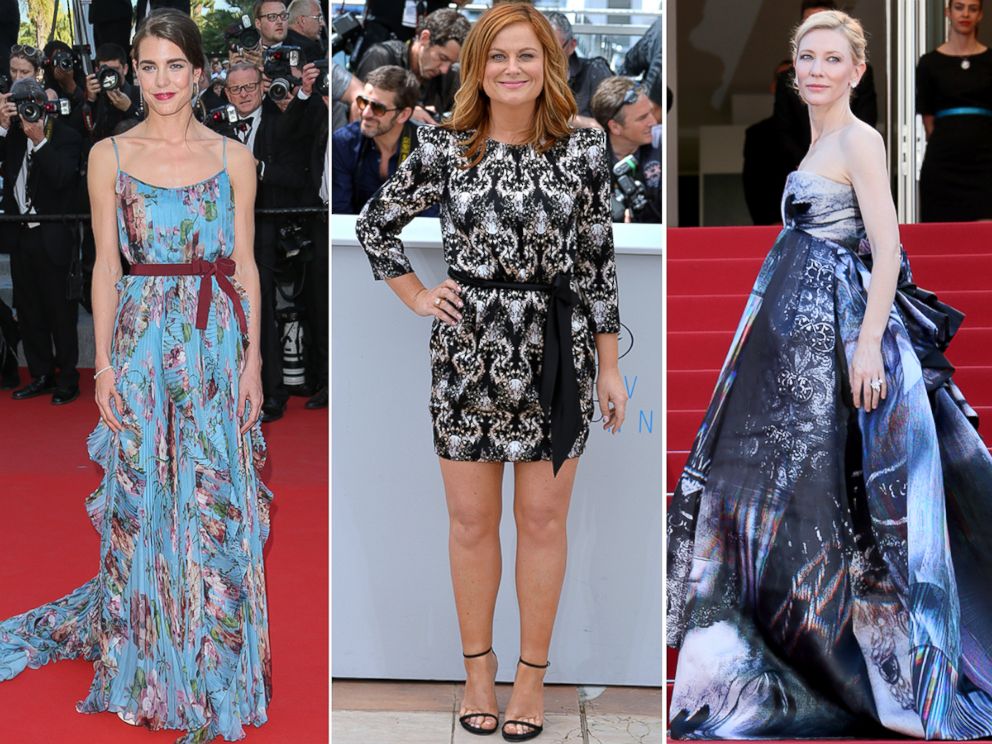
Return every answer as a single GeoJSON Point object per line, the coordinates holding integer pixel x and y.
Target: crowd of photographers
{"type": "Point", "coordinates": [269, 90]}
{"type": "Point", "coordinates": [402, 74]}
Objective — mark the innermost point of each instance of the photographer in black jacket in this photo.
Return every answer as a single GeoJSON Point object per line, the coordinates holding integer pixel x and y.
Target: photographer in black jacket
{"type": "Point", "coordinates": [41, 174]}
{"type": "Point", "coordinates": [110, 97]}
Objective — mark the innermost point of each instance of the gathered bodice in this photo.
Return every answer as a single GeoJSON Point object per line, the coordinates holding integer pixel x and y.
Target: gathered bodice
{"type": "Point", "coordinates": [175, 225]}
{"type": "Point", "coordinates": [822, 207]}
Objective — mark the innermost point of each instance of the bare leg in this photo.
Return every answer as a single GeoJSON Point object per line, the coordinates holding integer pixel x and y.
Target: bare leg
{"type": "Point", "coordinates": [473, 492]}
{"type": "Point", "coordinates": [540, 509]}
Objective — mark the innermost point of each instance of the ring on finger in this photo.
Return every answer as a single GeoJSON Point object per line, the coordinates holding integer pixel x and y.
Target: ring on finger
{"type": "Point", "coordinates": [437, 301]}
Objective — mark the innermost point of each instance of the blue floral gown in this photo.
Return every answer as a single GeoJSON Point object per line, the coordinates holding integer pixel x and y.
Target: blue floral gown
{"type": "Point", "coordinates": [828, 569]}
{"type": "Point", "coordinates": [175, 620]}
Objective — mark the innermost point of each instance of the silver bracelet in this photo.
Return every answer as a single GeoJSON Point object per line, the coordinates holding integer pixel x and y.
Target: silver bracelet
{"type": "Point", "coordinates": [101, 371]}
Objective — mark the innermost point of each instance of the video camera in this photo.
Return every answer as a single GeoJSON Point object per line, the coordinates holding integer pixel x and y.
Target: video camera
{"type": "Point", "coordinates": [628, 192]}
{"type": "Point", "coordinates": [242, 35]}
{"type": "Point", "coordinates": [278, 66]}
{"type": "Point", "coordinates": [346, 29]}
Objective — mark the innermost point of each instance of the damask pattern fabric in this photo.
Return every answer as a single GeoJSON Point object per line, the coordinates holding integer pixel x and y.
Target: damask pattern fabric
{"type": "Point", "coordinates": [176, 619]}
{"type": "Point", "coordinates": [827, 565]}
{"type": "Point", "coordinates": [516, 216]}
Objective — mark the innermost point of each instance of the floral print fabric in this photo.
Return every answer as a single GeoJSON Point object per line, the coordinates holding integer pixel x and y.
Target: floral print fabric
{"type": "Point", "coordinates": [176, 619]}
{"type": "Point", "coordinates": [516, 216]}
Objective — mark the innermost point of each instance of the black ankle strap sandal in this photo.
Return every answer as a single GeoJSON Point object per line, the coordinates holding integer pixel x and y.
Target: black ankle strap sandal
{"type": "Point", "coordinates": [464, 720]}
{"type": "Point", "coordinates": [535, 729]}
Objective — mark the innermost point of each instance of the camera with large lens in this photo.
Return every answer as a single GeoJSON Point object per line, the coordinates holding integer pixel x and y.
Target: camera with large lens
{"type": "Point", "coordinates": [294, 242]}
{"type": "Point", "coordinates": [63, 59]}
{"type": "Point", "coordinates": [278, 66]}
{"type": "Point", "coordinates": [628, 192]}
{"type": "Point", "coordinates": [242, 35]}
{"type": "Point", "coordinates": [109, 78]}
{"type": "Point", "coordinates": [346, 29]}
{"type": "Point", "coordinates": [223, 119]}
{"type": "Point", "coordinates": [323, 83]}
{"type": "Point", "coordinates": [32, 103]}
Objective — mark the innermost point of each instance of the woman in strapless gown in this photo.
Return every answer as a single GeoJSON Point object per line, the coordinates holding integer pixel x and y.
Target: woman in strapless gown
{"type": "Point", "coordinates": [829, 539]}
{"type": "Point", "coordinates": [175, 619]}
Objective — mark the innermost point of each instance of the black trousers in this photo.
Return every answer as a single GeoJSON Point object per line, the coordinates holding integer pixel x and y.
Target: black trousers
{"type": "Point", "coordinates": [271, 343]}
{"type": "Point", "coordinates": [47, 319]}
{"type": "Point", "coordinates": [316, 293]}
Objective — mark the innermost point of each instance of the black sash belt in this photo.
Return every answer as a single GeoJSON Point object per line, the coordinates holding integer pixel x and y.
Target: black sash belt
{"type": "Point", "coordinates": [559, 393]}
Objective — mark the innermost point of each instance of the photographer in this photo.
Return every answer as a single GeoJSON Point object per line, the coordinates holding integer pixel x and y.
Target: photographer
{"type": "Point", "coordinates": [584, 73]}
{"type": "Point", "coordinates": [383, 135]}
{"type": "Point", "coordinates": [626, 113]}
{"type": "Point", "coordinates": [430, 56]}
{"type": "Point", "coordinates": [280, 165]}
{"type": "Point", "coordinates": [306, 22]}
{"type": "Point", "coordinates": [271, 22]}
{"type": "Point", "coordinates": [110, 97]}
{"type": "Point", "coordinates": [41, 157]}
{"type": "Point", "coordinates": [63, 74]}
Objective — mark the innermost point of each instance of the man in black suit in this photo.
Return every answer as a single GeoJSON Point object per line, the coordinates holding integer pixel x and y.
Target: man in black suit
{"type": "Point", "coordinates": [306, 21]}
{"type": "Point", "coordinates": [10, 25]}
{"type": "Point", "coordinates": [111, 21]}
{"type": "Point", "coordinates": [41, 175]}
{"type": "Point", "coordinates": [280, 175]}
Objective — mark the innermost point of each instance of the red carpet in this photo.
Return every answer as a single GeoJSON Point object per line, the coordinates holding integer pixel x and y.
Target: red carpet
{"type": "Point", "coordinates": [711, 271]}
{"type": "Point", "coordinates": [48, 547]}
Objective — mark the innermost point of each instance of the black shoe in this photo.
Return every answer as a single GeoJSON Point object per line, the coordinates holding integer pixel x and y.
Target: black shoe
{"type": "Point", "coordinates": [38, 386]}
{"type": "Point", "coordinates": [64, 395]}
{"type": "Point", "coordinates": [535, 728]}
{"type": "Point", "coordinates": [318, 400]}
{"type": "Point", "coordinates": [272, 410]}
{"type": "Point", "coordinates": [464, 720]}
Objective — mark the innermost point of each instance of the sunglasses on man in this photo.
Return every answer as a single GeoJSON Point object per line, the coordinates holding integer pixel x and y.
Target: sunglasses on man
{"type": "Point", "coordinates": [629, 97]}
{"type": "Point", "coordinates": [377, 108]}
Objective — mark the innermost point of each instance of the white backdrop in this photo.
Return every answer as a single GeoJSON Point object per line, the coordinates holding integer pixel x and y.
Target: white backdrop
{"type": "Point", "coordinates": [393, 610]}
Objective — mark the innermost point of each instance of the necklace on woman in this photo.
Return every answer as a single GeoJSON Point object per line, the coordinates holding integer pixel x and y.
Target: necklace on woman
{"type": "Point", "coordinates": [965, 63]}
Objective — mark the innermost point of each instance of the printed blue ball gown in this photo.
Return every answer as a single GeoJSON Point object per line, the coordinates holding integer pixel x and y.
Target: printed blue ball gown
{"type": "Point", "coordinates": [828, 569]}
{"type": "Point", "coordinates": [176, 620]}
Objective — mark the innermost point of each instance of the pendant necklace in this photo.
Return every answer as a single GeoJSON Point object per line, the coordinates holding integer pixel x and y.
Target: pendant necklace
{"type": "Point", "coordinates": [965, 63]}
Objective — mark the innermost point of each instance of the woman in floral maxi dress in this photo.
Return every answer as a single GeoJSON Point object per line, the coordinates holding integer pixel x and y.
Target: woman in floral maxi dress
{"type": "Point", "coordinates": [175, 620]}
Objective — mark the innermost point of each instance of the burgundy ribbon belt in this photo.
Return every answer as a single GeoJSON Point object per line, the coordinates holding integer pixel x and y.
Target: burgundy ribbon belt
{"type": "Point", "coordinates": [222, 268]}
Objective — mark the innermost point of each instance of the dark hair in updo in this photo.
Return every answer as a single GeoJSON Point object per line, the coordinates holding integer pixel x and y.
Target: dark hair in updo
{"type": "Point", "coordinates": [173, 26]}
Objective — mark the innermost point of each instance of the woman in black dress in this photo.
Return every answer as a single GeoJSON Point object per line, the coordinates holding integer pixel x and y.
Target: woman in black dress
{"type": "Point", "coordinates": [954, 96]}
{"type": "Point", "coordinates": [528, 310]}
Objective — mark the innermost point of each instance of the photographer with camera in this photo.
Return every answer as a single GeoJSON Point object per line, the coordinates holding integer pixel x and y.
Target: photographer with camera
{"type": "Point", "coordinates": [111, 98]}
{"type": "Point", "coordinates": [280, 163]}
{"type": "Point", "coordinates": [41, 156]}
{"type": "Point", "coordinates": [627, 114]}
{"type": "Point", "coordinates": [430, 55]}
{"type": "Point", "coordinates": [367, 152]}
{"type": "Point", "coordinates": [306, 22]}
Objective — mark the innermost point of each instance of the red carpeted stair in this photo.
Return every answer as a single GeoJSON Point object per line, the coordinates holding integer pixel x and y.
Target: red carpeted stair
{"type": "Point", "coordinates": [710, 272]}
{"type": "Point", "coordinates": [49, 547]}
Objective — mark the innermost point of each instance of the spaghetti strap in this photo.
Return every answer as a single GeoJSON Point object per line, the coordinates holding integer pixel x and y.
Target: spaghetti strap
{"type": "Point", "coordinates": [117, 154]}
{"type": "Point", "coordinates": [223, 148]}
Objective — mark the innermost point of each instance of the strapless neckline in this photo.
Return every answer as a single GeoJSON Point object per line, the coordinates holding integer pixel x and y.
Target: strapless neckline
{"type": "Point", "coordinates": [822, 177]}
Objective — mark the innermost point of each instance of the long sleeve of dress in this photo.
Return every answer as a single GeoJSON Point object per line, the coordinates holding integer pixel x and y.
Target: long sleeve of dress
{"type": "Point", "coordinates": [416, 185]}
{"type": "Point", "coordinates": [595, 265]}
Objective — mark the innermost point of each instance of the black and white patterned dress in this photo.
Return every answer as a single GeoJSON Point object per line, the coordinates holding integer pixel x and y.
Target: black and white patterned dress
{"type": "Point", "coordinates": [516, 216]}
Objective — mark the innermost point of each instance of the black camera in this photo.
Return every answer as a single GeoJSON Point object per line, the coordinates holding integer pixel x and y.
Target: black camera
{"type": "Point", "coordinates": [345, 31]}
{"type": "Point", "coordinates": [109, 78]}
{"type": "Point", "coordinates": [294, 242]}
{"type": "Point", "coordinates": [242, 35]}
{"type": "Point", "coordinates": [323, 82]}
{"type": "Point", "coordinates": [277, 65]}
{"type": "Point", "coordinates": [63, 59]}
{"type": "Point", "coordinates": [628, 192]}
{"type": "Point", "coordinates": [32, 103]}
{"type": "Point", "coordinates": [4, 83]}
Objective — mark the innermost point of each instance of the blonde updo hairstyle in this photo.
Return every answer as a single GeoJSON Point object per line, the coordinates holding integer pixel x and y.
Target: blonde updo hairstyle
{"type": "Point", "coordinates": [831, 20]}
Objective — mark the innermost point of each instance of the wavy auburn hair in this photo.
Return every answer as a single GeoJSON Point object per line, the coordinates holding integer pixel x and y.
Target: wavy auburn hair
{"type": "Point", "coordinates": [555, 104]}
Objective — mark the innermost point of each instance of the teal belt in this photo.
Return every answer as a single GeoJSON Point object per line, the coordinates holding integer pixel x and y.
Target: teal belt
{"type": "Point", "coordinates": [963, 111]}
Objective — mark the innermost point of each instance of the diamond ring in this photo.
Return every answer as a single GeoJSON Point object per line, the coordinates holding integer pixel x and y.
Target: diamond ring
{"type": "Point", "coordinates": [437, 300]}
{"type": "Point", "coordinates": [876, 385]}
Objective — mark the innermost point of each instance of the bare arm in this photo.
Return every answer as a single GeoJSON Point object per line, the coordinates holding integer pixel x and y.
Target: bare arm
{"type": "Point", "coordinates": [865, 155]}
{"type": "Point", "coordinates": [241, 168]}
{"type": "Point", "coordinates": [101, 173]}
{"type": "Point", "coordinates": [928, 120]}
